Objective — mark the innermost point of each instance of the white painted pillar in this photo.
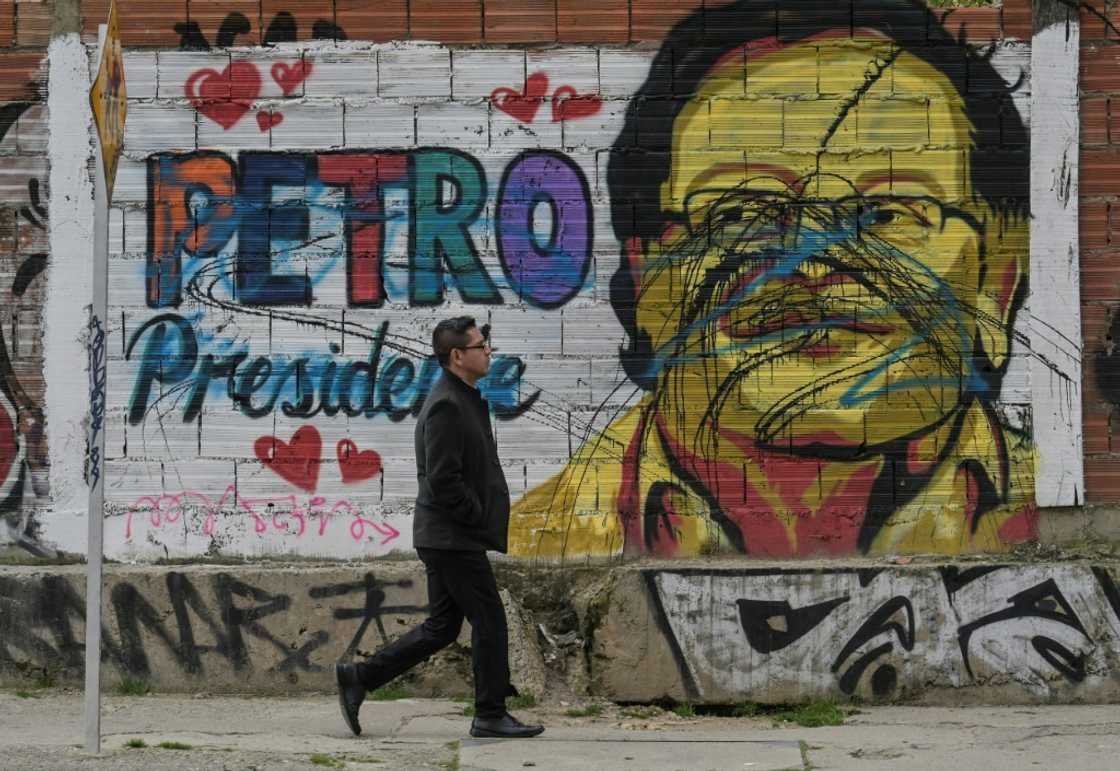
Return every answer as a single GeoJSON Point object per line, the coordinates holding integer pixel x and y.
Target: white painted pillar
{"type": "Point", "coordinates": [69, 284]}
{"type": "Point", "coordinates": [1055, 301]}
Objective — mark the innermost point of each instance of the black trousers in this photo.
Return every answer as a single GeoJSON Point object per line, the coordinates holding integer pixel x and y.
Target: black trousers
{"type": "Point", "coordinates": [460, 584]}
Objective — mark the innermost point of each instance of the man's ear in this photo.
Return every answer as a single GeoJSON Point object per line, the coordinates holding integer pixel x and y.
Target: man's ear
{"type": "Point", "coordinates": [1006, 262]}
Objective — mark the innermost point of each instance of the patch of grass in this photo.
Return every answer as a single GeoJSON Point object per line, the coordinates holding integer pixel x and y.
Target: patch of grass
{"type": "Point", "coordinates": [319, 759]}
{"type": "Point", "coordinates": [522, 701]}
{"type": "Point", "coordinates": [591, 710]}
{"type": "Point", "coordinates": [136, 743]}
{"type": "Point", "coordinates": [468, 711]}
{"type": "Point", "coordinates": [640, 711]}
{"type": "Point", "coordinates": [388, 693]}
{"type": "Point", "coordinates": [175, 746]}
{"type": "Point", "coordinates": [133, 686]}
{"type": "Point", "coordinates": [812, 715]}
{"type": "Point", "coordinates": [45, 678]}
{"type": "Point", "coordinates": [684, 709]}
{"type": "Point", "coordinates": [26, 695]}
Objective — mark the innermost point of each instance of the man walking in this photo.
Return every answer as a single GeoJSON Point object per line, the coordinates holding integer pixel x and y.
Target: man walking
{"type": "Point", "coordinates": [462, 509]}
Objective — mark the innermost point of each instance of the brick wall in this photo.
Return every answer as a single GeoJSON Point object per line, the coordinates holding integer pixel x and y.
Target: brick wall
{"type": "Point", "coordinates": [1100, 287]}
{"type": "Point", "coordinates": [24, 486]}
{"type": "Point", "coordinates": [153, 24]}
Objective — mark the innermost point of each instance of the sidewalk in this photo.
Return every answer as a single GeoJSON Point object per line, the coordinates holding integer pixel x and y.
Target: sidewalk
{"type": "Point", "coordinates": [44, 731]}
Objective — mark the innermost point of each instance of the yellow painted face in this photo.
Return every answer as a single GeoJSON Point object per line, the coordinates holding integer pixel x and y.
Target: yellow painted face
{"type": "Point", "coordinates": [828, 278]}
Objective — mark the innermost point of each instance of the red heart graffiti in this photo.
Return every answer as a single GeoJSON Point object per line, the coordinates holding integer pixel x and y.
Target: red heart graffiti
{"type": "Point", "coordinates": [522, 106]}
{"type": "Point", "coordinates": [297, 461]}
{"type": "Point", "coordinates": [288, 76]}
{"type": "Point", "coordinates": [356, 466]}
{"type": "Point", "coordinates": [568, 105]}
{"type": "Point", "coordinates": [267, 120]}
{"type": "Point", "coordinates": [224, 96]}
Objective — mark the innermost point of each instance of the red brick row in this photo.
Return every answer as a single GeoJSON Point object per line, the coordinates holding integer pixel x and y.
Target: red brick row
{"type": "Point", "coordinates": [23, 76]}
{"type": "Point", "coordinates": [1100, 281]}
{"type": "Point", "coordinates": [1100, 421]}
{"type": "Point", "coordinates": [29, 27]}
{"type": "Point", "coordinates": [152, 23]}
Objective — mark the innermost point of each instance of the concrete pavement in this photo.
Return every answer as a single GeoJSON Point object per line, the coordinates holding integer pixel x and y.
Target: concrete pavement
{"type": "Point", "coordinates": [43, 731]}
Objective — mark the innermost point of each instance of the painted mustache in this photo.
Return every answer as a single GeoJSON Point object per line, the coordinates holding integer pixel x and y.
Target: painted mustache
{"type": "Point", "coordinates": [796, 303]}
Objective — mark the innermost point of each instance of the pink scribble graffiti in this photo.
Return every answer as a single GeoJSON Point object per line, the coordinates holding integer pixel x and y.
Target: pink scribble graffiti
{"type": "Point", "coordinates": [282, 513]}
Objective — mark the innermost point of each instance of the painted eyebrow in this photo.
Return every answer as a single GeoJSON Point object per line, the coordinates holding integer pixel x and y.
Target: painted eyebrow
{"type": "Point", "coordinates": [789, 176]}
{"type": "Point", "coordinates": [871, 179]}
{"type": "Point", "coordinates": [699, 182]}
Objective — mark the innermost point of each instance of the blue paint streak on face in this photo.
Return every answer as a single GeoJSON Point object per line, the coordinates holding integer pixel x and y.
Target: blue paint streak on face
{"type": "Point", "coordinates": [811, 242]}
{"type": "Point", "coordinates": [952, 314]}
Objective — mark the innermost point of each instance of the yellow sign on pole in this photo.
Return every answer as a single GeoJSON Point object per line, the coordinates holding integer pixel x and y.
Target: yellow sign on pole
{"type": "Point", "coordinates": [109, 100]}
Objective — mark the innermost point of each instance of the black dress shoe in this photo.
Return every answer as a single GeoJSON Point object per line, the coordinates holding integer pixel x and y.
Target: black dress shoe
{"type": "Point", "coordinates": [351, 694]}
{"type": "Point", "coordinates": [504, 727]}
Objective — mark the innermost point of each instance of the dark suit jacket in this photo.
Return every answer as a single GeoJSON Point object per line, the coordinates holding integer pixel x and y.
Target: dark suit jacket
{"type": "Point", "coordinates": [463, 502]}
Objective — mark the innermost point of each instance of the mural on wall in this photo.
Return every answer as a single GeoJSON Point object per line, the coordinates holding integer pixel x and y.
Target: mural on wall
{"type": "Point", "coordinates": [796, 634]}
{"type": "Point", "coordinates": [750, 294]}
{"type": "Point", "coordinates": [24, 461]}
{"type": "Point", "coordinates": [819, 279]}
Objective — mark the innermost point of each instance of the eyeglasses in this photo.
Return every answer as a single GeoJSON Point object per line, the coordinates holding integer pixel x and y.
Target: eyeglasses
{"type": "Point", "coordinates": [484, 344]}
{"type": "Point", "coordinates": [735, 216]}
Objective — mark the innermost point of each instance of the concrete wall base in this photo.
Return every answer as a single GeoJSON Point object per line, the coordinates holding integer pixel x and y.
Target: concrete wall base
{"type": "Point", "coordinates": [710, 632]}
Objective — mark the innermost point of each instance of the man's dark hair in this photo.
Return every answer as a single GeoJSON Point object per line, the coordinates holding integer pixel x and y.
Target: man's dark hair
{"type": "Point", "coordinates": [450, 334]}
{"type": "Point", "coordinates": [641, 156]}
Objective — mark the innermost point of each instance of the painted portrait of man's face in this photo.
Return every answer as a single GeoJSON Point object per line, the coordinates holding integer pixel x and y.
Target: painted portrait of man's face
{"type": "Point", "coordinates": [828, 277]}
{"type": "Point", "coordinates": [824, 231]}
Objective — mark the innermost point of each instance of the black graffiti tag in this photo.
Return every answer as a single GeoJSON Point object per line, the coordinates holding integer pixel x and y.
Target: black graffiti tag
{"type": "Point", "coordinates": [1045, 601]}
{"type": "Point", "coordinates": [373, 609]}
{"type": "Point", "coordinates": [39, 625]}
{"type": "Point", "coordinates": [771, 625]}
{"type": "Point", "coordinates": [97, 379]}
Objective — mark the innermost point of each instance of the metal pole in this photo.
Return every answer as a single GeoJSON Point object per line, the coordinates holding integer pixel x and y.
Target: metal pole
{"type": "Point", "coordinates": [96, 434]}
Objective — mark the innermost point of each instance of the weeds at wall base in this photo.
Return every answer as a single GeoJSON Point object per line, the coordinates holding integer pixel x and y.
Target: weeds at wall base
{"type": "Point", "coordinates": [327, 761]}
{"type": "Point", "coordinates": [591, 710]}
{"type": "Point", "coordinates": [133, 686]}
{"type": "Point", "coordinates": [811, 715]}
{"type": "Point", "coordinates": [521, 701]}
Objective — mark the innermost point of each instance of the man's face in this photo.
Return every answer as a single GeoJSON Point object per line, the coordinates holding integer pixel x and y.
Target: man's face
{"type": "Point", "coordinates": [828, 273]}
{"type": "Point", "coordinates": [475, 357]}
